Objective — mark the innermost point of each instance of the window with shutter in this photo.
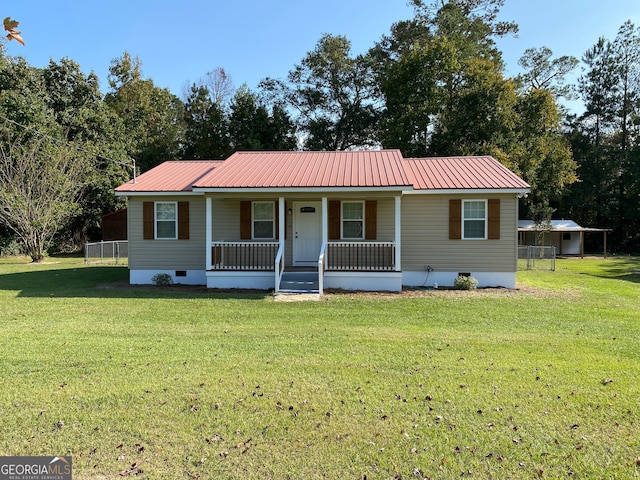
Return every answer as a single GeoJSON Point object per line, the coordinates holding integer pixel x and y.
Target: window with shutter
{"type": "Point", "coordinates": [259, 220]}
{"type": "Point", "coordinates": [165, 220]}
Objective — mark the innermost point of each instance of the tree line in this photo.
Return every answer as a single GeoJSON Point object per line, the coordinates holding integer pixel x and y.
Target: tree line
{"type": "Point", "coordinates": [434, 85]}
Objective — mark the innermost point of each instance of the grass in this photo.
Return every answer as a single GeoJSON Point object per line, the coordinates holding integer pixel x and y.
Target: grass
{"type": "Point", "coordinates": [542, 382]}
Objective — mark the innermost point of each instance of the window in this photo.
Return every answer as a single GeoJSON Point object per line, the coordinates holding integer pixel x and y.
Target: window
{"type": "Point", "coordinates": [474, 219]}
{"type": "Point", "coordinates": [353, 220]}
{"type": "Point", "coordinates": [166, 220]}
{"type": "Point", "coordinates": [263, 220]}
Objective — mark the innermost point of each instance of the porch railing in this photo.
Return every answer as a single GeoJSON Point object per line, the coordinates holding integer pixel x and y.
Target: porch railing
{"type": "Point", "coordinates": [321, 267]}
{"type": "Point", "coordinates": [360, 256]}
{"type": "Point", "coordinates": [279, 267]}
{"type": "Point", "coordinates": [336, 256]}
{"type": "Point", "coordinates": [244, 255]}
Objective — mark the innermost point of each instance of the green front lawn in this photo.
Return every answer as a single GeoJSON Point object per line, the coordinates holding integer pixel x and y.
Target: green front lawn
{"type": "Point", "coordinates": [539, 382]}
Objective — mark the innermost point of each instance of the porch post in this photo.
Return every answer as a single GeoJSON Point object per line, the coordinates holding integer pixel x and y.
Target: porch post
{"type": "Point", "coordinates": [283, 221]}
{"type": "Point", "coordinates": [325, 220]}
{"type": "Point", "coordinates": [398, 234]}
{"type": "Point", "coordinates": [208, 232]}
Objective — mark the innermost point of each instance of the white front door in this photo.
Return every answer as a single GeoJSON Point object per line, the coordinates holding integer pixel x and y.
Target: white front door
{"type": "Point", "coordinates": [307, 233]}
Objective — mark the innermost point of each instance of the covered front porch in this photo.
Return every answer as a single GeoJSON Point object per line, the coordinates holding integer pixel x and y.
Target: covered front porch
{"type": "Point", "coordinates": [303, 235]}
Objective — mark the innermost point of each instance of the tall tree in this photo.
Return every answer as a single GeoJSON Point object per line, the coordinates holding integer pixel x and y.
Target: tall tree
{"type": "Point", "coordinates": [541, 153]}
{"type": "Point", "coordinates": [332, 95]}
{"type": "Point", "coordinates": [441, 78]}
{"type": "Point", "coordinates": [408, 65]}
{"type": "Point", "coordinates": [431, 66]}
{"type": "Point", "coordinates": [61, 102]}
{"type": "Point", "coordinates": [40, 185]}
{"type": "Point", "coordinates": [543, 72]}
{"type": "Point", "coordinates": [253, 127]}
{"type": "Point", "coordinates": [152, 116]}
{"type": "Point", "coordinates": [77, 105]}
{"type": "Point", "coordinates": [206, 126]}
{"type": "Point", "coordinates": [626, 48]}
{"type": "Point", "coordinates": [217, 82]}
{"type": "Point", "coordinates": [599, 89]}
{"type": "Point", "coordinates": [608, 134]}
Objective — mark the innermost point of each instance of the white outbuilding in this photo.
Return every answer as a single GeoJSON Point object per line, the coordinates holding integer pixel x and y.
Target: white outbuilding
{"type": "Point", "coordinates": [566, 235]}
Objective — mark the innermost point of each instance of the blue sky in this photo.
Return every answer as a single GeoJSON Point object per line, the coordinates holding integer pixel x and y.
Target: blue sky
{"type": "Point", "coordinates": [179, 41]}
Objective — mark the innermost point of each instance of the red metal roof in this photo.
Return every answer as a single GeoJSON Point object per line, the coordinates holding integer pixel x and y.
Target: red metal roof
{"type": "Point", "coordinates": [455, 173]}
{"type": "Point", "coordinates": [173, 176]}
{"type": "Point", "coordinates": [355, 169]}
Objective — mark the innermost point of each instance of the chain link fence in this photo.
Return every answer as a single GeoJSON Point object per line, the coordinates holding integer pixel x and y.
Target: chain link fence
{"type": "Point", "coordinates": [116, 252]}
{"type": "Point", "coordinates": [531, 257]}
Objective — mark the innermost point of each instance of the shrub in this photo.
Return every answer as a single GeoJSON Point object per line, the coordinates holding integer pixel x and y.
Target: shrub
{"type": "Point", "coordinates": [162, 279]}
{"type": "Point", "coordinates": [463, 282]}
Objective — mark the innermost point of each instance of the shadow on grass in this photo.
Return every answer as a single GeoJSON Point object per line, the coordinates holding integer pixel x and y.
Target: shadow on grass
{"type": "Point", "coordinates": [106, 282]}
{"type": "Point", "coordinates": [621, 268]}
